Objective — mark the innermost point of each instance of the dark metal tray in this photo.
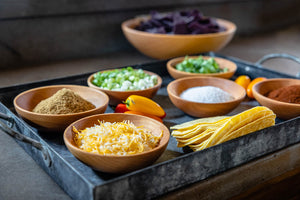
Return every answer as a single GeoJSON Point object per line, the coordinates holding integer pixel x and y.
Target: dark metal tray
{"type": "Point", "coordinates": [175, 169]}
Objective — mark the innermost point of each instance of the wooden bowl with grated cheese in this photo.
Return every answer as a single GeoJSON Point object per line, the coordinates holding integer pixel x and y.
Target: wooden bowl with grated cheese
{"type": "Point", "coordinates": [109, 159]}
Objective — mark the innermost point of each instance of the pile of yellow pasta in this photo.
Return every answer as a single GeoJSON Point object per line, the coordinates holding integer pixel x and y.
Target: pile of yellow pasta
{"type": "Point", "coordinates": [206, 132]}
{"type": "Point", "coordinates": [118, 138]}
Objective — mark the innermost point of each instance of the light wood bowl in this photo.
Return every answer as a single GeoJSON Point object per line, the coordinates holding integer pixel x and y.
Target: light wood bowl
{"type": "Point", "coordinates": [115, 163]}
{"type": "Point", "coordinates": [176, 87]}
{"type": "Point", "coordinates": [25, 102]}
{"type": "Point", "coordinates": [165, 46]}
{"type": "Point", "coordinates": [116, 97]}
{"type": "Point", "coordinates": [281, 109]}
{"type": "Point", "coordinates": [223, 63]}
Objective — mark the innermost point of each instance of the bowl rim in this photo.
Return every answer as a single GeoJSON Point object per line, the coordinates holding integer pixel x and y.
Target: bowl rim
{"type": "Point", "coordinates": [273, 101]}
{"type": "Point", "coordinates": [230, 28]}
{"type": "Point", "coordinates": [91, 77]}
{"type": "Point", "coordinates": [200, 77]}
{"type": "Point", "coordinates": [61, 115]}
{"type": "Point", "coordinates": [172, 62]}
{"type": "Point", "coordinates": [161, 145]}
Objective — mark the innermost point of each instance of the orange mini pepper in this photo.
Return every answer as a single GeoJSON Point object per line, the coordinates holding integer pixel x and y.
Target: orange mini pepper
{"type": "Point", "coordinates": [243, 81]}
{"type": "Point", "coordinates": [252, 83]}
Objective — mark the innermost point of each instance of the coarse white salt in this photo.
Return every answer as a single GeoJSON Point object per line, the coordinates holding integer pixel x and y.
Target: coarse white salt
{"type": "Point", "coordinates": [206, 94]}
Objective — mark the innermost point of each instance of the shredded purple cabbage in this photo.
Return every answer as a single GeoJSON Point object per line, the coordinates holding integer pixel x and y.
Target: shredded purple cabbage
{"type": "Point", "coordinates": [181, 22]}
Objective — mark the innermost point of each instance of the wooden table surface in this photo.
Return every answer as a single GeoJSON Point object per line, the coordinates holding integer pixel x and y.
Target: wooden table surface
{"type": "Point", "coordinates": [275, 176]}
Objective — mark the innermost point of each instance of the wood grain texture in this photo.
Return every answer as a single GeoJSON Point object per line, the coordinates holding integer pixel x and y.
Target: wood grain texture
{"type": "Point", "coordinates": [285, 186]}
{"type": "Point", "coordinates": [36, 32]}
{"type": "Point", "coordinates": [274, 176]}
{"type": "Point", "coordinates": [36, 8]}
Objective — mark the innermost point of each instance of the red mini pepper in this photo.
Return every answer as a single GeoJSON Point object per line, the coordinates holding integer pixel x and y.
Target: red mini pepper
{"type": "Point", "coordinates": [121, 108]}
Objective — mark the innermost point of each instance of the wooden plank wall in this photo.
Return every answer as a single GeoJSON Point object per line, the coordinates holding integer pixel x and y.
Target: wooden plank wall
{"type": "Point", "coordinates": [36, 32]}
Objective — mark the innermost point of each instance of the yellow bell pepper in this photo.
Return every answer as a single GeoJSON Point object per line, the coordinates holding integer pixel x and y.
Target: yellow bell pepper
{"type": "Point", "coordinates": [145, 105]}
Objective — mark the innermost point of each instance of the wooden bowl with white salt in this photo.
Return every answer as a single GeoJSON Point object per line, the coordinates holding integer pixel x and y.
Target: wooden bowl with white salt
{"type": "Point", "coordinates": [61, 107]}
{"type": "Point", "coordinates": [205, 96]}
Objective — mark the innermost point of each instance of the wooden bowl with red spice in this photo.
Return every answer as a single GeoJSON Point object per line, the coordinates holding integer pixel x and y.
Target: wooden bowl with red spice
{"type": "Point", "coordinates": [288, 91]}
{"type": "Point", "coordinates": [111, 162]}
{"type": "Point", "coordinates": [57, 113]}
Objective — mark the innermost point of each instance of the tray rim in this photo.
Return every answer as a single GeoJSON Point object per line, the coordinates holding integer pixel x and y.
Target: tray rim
{"type": "Point", "coordinates": [32, 84]}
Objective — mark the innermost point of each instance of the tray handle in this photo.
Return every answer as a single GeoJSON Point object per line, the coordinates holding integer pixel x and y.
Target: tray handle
{"type": "Point", "coordinates": [278, 55]}
{"type": "Point", "coordinates": [7, 128]}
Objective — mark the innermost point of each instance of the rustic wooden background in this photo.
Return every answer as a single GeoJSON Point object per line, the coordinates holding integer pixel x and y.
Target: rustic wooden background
{"type": "Point", "coordinates": [36, 32]}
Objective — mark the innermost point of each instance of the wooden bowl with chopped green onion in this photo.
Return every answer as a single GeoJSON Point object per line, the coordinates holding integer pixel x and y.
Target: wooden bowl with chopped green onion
{"type": "Point", "coordinates": [115, 159]}
{"type": "Point", "coordinates": [119, 95]}
{"type": "Point", "coordinates": [227, 67]}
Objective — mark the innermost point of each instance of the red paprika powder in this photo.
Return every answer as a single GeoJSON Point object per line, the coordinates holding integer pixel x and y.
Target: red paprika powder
{"type": "Point", "coordinates": [288, 94]}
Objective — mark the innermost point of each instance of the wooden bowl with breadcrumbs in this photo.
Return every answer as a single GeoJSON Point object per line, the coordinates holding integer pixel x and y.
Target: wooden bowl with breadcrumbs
{"type": "Point", "coordinates": [53, 108]}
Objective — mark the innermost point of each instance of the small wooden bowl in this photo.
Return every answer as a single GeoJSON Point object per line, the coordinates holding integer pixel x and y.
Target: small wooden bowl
{"type": "Point", "coordinates": [176, 87]}
{"type": "Point", "coordinates": [223, 63]}
{"type": "Point", "coordinates": [25, 102]}
{"type": "Point", "coordinates": [115, 163]}
{"type": "Point", "coordinates": [116, 97]}
{"type": "Point", "coordinates": [165, 46]}
{"type": "Point", "coordinates": [281, 109]}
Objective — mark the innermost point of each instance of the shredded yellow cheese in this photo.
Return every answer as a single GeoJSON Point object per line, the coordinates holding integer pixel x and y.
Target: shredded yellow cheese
{"type": "Point", "coordinates": [118, 138]}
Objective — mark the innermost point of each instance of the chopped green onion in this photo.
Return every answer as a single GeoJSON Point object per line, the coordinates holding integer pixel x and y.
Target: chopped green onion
{"type": "Point", "coordinates": [200, 65]}
{"type": "Point", "coordinates": [125, 79]}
